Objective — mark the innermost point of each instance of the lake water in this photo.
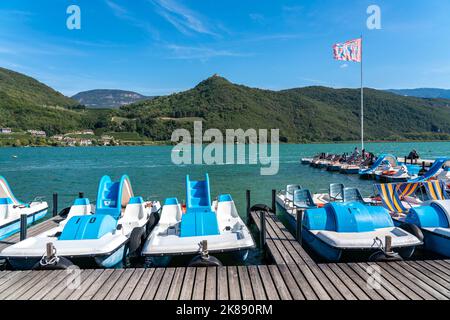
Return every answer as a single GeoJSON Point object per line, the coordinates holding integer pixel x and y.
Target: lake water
{"type": "Point", "coordinates": [35, 172]}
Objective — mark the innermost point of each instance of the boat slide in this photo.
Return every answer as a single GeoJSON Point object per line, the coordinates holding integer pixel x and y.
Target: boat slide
{"type": "Point", "coordinates": [182, 232]}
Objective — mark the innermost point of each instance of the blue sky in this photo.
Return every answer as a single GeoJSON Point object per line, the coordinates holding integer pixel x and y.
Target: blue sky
{"type": "Point", "coordinates": [162, 46]}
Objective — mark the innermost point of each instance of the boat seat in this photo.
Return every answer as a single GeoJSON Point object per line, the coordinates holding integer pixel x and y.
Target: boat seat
{"type": "Point", "coordinates": [353, 195]}
{"type": "Point", "coordinates": [171, 212]}
{"type": "Point", "coordinates": [88, 227]}
{"type": "Point", "coordinates": [336, 191]}
{"type": "Point", "coordinates": [303, 199]}
{"type": "Point", "coordinates": [134, 211]}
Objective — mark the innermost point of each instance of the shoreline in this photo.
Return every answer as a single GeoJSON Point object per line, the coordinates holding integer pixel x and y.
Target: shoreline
{"type": "Point", "coordinates": [166, 144]}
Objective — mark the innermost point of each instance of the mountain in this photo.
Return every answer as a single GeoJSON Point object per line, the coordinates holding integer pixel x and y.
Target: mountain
{"type": "Point", "coordinates": [26, 103]}
{"type": "Point", "coordinates": [302, 114]}
{"type": "Point", "coordinates": [423, 93]}
{"type": "Point", "coordinates": [311, 114]}
{"type": "Point", "coordinates": [107, 98]}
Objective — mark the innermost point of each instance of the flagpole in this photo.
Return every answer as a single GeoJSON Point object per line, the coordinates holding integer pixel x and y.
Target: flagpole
{"type": "Point", "coordinates": [362, 98]}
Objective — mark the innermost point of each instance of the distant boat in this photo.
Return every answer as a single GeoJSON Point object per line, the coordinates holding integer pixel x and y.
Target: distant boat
{"type": "Point", "coordinates": [14, 156]}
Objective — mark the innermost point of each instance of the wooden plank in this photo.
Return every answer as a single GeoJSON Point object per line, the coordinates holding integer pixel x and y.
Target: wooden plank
{"type": "Point", "coordinates": [439, 265]}
{"type": "Point", "coordinates": [222, 283]}
{"type": "Point", "coordinates": [420, 279]}
{"type": "Point", "coordinates": [199, 284]}
{"type": "Point", "coordinates": [393, 279]}
{"type": "Point", "coordinates": [120, 284]}
{"type": "Point", "coordinates": [139, 290]}
{"type": "Point", "coordinates": [166, 282]}
{"type": "Point", "coordinates": [436, 271]}
{"type": "Point", "coordinates": [233, 283]}
{"type": "Point", "coordinates": [61, 290]}
{"type": "Point", "coordinates": [411, 282]}
{"type": "Point", "coordinates": [390, 283]}
{"type": "Point", "coordinates": [23, 286]}
{"type": "Point", "coordinates": [288, 235]}
{"type": "Point", "coordinates": [16, 282]}
{"type": "Point", "coordinates": [293, 287]}
{"type": "Point", "coordinates": [58, 283]}
{"type": "Point", "coordinates": [444, 263]}
{"type": "Point", "coordinates": [257, 285]}
{"type": "Point", "coordinates": [362, 272]}
{"type": "Point", "coordinates": [269, 286]}
{"type": "Point", "coordinates": [188, 284]}
{"type": "Point", "coordinates": [96, 285]}
{"type": "Point", "coordinates": [211, 283]}
{"type": "Point", "coordinates": [354, 288]}
{"type": "Point", "coordinates": [282, 289]}
{"type": "Point", "coordinates": [11, 278]}
{"type": "Point", "coordinates": [131, 284]}
{"type": "Point", "coordinates": [431, 273]}
{"type": "Point", "coordinates": [153, 285]}
{"type": "Point", "coordinates": [306, 289]}
{"type": "Point", "coordinates": [106, 286]}
{"type": "Point", "coordinates": [177, 283]}
{"type": "Point", "coordinates": [245, 284]}
{"type": "Point", "coordinates": [360, 282]}
{"type": "Point", "coordinates": [49, 277]}
{"type": "Point", "coordinates": [345, 292]}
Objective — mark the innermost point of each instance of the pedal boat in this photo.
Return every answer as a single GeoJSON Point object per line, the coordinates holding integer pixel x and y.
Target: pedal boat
{"type": "Point", "coordinates": [339, 228]}
{"type": "Point", "coordinates": [433, 219]}
{"type": "Point", "coordinates": [182, 232]}
{"type": "Point", "coordinates": [103, 238]}
{"type": "Point", "coordinates": [11, 210]}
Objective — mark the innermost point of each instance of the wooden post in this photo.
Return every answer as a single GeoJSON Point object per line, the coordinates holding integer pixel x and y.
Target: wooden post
{"type": "Point", "coordinates": [274, 205]}
{"type": "Point", "coordinates": [23, 226]}
{"type": "Point", "coordinates": [262, 236]}
{"type": "Point", "coordinates": [388, 244]}
{"type": "Point", "coordinates": [299, 226]}
{"type": "Point", "coordinates": [81, 195]}
{"type": "Point", "coordinates": [55, 204]}
{"type": "Point", "coordinates": [247, 198]}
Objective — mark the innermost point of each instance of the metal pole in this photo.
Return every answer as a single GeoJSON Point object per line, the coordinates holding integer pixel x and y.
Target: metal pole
{"type": "Point", "coordinates": [362, 98]}
{"type": "Point", "coordinates": [262, 238]}
{"type": "Point", "coordinates": [81, 195]}
{"type": "Point", "coordinates": [274, 206]}
{"type": "Point", "coordinates": [247, 196]}
{"type": "Point", "coordinates": [299, 226]}
{"type": "Point", "coordinates": [55, 204]}
{"type": "Point", "coordinates": [23, 226]}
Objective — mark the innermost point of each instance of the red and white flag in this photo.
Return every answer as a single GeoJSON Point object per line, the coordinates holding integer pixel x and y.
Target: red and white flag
{"type": "Point", "coordinates": [348, 51]}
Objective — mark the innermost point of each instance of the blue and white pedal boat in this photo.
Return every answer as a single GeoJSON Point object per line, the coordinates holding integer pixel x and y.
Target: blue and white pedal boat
{"type": "Point", "coordinates": [102, 238]}
{"type": "Point", "coordinates": [433, 219]}
{"type": "Point", "coordinates": [215, 227]}
{"type": "Point", "coordinates": [343, 227]}
{"type": "Point", "coordinates": [11, 209]}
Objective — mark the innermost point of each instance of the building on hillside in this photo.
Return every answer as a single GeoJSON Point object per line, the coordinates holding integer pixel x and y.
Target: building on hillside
{"type": "Point", "coordinates": [107, 140]}
{"type": "Point", "coordinates": [58, 137]}
{"type": "Point", "coordinates": [88, 132]}
{"type": "Point", "coordinates": [85, 142]}
{"type": "Point", "coordinates": [37, 133]}
{"type": "Point", "coordinates": [5, 130]}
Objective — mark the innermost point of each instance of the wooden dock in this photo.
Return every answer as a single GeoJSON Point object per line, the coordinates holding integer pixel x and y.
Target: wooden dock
{"type": "Point", "coordinates": [293, 276]}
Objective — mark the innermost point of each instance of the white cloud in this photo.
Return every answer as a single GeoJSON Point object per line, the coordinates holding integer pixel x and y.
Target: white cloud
{"type": "Point", "coordinates": [122, 13]}
{"type": "Point", "coordinates": [201, 53]}
{"type": "Point", "coordinates": [183, 19]}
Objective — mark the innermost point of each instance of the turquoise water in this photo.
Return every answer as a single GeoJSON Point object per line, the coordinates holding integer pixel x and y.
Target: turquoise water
{"type": "Point", "coordinates": [41, 171]}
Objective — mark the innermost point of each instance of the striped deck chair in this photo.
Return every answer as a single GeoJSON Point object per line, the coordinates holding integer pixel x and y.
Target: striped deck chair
{"type": "Point", "coordinates": [435, 190]}
{"type": "Point", "coordinates": [390, 198]}
{"type": "Point", "coordinates": [407, 189]}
